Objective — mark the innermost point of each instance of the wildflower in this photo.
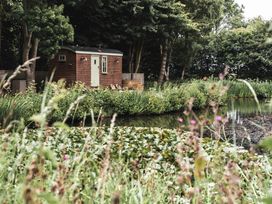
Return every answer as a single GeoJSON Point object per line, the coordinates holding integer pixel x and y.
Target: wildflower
{"type": "Point", "coordinates": [193, 122]}
{"type": "Point", "coordinates": [192, 192]}
{"type": "Point", "coordinates": [218, 118]}
{"type": "Point", "coordinates": [180, 120]}
{"type": "Point", "coordinates": [66, 157]}
{"type": "Point", "coordinates": [180, 180]}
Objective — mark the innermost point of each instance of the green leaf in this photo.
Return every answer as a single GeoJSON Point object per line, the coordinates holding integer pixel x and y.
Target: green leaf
{"type": "Point", "coordinates": [267, 143]}
{"type": "Point", "coordinates": [49, 155]}
{"type": "Point", "coordinates": [268, 200]}
{"type": "Point", "coordinates": [61, 125]}
{"type": "Point", "coordinates": [49, 198]}
{"type": "Point", "coordinates": [200, 165]}
{"type": "Point", "coordinates": [38, 118]}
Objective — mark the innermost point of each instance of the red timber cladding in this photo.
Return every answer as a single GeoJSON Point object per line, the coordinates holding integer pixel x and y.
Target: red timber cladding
{"type": "Point", "coordinates": [114, 75]}
{"type": "Point", "coordinates": [76, 68]}
{"type": "Point", "coordinates": [83, 71]}
{"type": "Point", "coordinates": [65, 70]}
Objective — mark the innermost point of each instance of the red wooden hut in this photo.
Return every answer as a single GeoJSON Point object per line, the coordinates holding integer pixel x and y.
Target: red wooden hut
{"type": "Point", "coordinates": [93, 66]}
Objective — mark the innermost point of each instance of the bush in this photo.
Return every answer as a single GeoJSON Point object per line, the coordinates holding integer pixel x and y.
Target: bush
{"type": "Point", "coordinates": [15, 107]}
{"type": "Point", "coordinates": [156, 100]}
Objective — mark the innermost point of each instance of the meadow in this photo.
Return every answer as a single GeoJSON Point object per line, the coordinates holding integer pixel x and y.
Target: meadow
{"type": "Point", "coordinates": [127, 165]}
{"type": "Point", "coordinates": [62, 164]}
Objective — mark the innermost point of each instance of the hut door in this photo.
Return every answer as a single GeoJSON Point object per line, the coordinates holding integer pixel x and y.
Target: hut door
{"type": "Point", "coordinates": [95, 62]}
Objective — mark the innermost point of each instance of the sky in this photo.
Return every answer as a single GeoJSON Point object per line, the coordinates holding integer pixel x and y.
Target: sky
{"type": "Point", "coordinates": [254, 8]}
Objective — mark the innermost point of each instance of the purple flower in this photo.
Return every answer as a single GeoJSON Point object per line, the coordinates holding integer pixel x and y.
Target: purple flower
{"type": "Point", "coordinates": [193, 122]}
{"type": "Point", "coordinates": [65, 157]}
{"type": "Point", "coordinates": [218, 118]}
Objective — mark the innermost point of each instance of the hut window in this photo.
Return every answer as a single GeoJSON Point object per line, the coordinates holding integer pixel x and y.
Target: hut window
{"type": "Point", "coordinates": [62, 58]}
{"type": "Point", "coordinates": [104, 64]}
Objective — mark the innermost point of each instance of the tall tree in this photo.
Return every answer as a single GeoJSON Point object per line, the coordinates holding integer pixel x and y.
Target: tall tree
{"type": "Point", "coordinates": [43, 23]}
{"type": "Point", "coordinates": [173, 23]}
{"type": "Point", "coordinates": [1, 23]}
{"type": "Point", "coordinates": [210, 16]}
{"type": "Point", "coordinates": [3, 16]}
{"type": "Point", "coordinates": [244, 49]}
{"type": "Point", "coordinates": [137, 23]}
{"type": "Point", "coordinates": [125, 23]}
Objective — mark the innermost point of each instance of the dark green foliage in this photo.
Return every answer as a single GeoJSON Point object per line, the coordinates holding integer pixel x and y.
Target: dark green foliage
{"type": "Point", "coordinates": [243, 48]}
{"type": "Point", "coordinates": [18, 106]}
{"type": "Point", "coordinates": [50, 21]}
{"type": "Point", "coordinates": [43, 20]}
{"type": "Point", "coordinates": [149, 32]}
{"type": "Point", "coordinates": [200, 34]}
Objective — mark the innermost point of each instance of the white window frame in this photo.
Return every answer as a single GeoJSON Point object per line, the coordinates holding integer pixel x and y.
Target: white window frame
{"type": "Point", "coordinates": [62, 58]}
{"type": "Point", "coordinates": [104, 64]}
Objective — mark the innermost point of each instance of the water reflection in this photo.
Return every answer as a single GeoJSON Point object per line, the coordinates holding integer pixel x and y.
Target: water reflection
{"type": "Point", "coordinates": [238, 109]}
{"type": "Point", "coordinates": [235, 110]}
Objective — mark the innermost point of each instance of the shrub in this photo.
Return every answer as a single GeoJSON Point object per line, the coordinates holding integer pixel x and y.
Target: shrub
{"type": "Point", "coordinates": [193, 91]}
{"type": "Point", "coordinates": [156, 100]}
{"type": "Point", "coordinates": [22, 105]}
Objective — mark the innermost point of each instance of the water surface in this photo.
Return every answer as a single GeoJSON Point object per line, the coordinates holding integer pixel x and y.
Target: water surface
{"type": "Point", "coordinates": [235, 110]}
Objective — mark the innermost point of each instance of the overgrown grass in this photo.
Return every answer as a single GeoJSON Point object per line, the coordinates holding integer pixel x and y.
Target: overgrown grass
{"type": "Point", "coordinates": [240, 90]}
{"type": "Point", "coordinates": [237, 89]}
{"type": "Point", "coordinates": [69, 165]}
{"type": "Point", "coordinates": [15, 107]}
{"type": "Point", "coordinates": [156, 100]}
{"type": "Point", "coordinates": [60, 164]}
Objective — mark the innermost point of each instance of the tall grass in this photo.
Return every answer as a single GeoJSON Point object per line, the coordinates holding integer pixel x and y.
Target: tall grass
{"type": "Point", "coordinates": [238, 89]}
{"type": "Point", "coordinates": [15, 107]}
{"type": "Point", "coordinates": [69, 165]}
{"type": "Point", "coordinates": [156, 100]}
{"type": "Point", "coordinates": [60, 164]}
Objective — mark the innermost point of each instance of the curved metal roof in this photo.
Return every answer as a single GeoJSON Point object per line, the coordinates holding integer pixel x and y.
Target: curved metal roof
{"type": "Point", "coordinates": [92, 50]}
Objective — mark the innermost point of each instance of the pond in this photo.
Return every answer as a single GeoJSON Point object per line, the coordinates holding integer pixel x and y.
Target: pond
{"type": "Point", "coordinates": [235, 110]}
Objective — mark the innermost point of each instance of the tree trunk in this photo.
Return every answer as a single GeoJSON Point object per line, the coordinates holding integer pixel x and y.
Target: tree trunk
{"type": "Point", "coordinates": [186, 62]}
{"type": "Point", "coordinates": [135, 56]}
{"type": "Point", "coordinates": [167, 70]}
{"type": "Point", "coordinates": [131, 59]}
{"type": "Point", "coordinates": [26, 43]}
{"type": "Point", "coordinates": [138, 56]}
{"type": "Point", "coordinates": [2, 17]}
{"type": "Point", "coordinates": [186, 66]}
{"type": "Point", "coordinates": [163, 61]}
{"type": "Point", "coordinates": [0, 40]}
{"type": "Point", "coordinates": [183, 73]}
{"type": "Point", "coordinates": [27, 36]}
{"type": "Point", "coordinates": [30, 74]}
